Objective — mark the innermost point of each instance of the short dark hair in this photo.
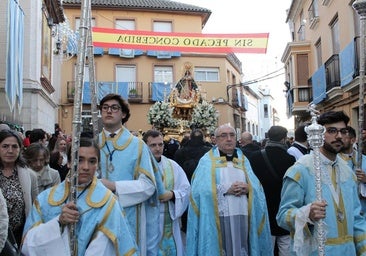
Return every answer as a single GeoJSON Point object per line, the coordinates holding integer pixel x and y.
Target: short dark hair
{"type": "Point", "coordinates": [277, 133]}
{"type": "Point", "coordinates": [300, 134]}
{"type": "Point", "coordinates": [351, 132]}
{"type": "Point", "coordinates": [332, 117]}
{"type": "Point", "coordinates": [151, 133]}
{"type": "Point", "coordinates": [86, 142]}
{"type": "Point", "coordinates": [36, 135]}
{"type": "Point", "coordinates": [197, 137]}
{"type": "Point", "coordinates": [125, 108]}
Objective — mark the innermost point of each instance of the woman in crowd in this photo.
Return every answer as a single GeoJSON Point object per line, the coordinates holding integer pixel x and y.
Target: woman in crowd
{"type": "Point", "coordinates": [56, 163]}
{"type": "Point", "coordinates": [37, 157]}
{"type": "Point", "coordinates": [17, 182]}
{"type": "Point", "coordinates": [100, 224]}
{"type": "Point", "coordinates": [62, 147]}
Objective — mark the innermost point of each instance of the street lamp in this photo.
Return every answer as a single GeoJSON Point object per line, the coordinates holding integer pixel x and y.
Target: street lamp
{"type": "Point", "coordinates": [360, 7]}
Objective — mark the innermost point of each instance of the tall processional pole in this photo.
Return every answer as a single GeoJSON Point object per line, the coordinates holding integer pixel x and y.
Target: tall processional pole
{"type": "Point", "coordinates": [315, 134]}
{"type": "Point", "coordinates": [360, 7]}
{"type": "Point", "coordinates": [77, 118]}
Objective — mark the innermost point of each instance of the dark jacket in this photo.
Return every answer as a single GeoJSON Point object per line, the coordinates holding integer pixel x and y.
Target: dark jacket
{"type": "Point", "coordinates": [249, 149]}
{"type": "Point", "coordinates": [189, 156]}
{"type": "Point", "coordinates": [281, 161]}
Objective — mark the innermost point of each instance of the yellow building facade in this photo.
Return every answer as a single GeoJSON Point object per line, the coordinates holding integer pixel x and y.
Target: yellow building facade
{"type": "Point", "coordinates": [322, 61]}
{"type": "Point", "coordinates": [139, 70]}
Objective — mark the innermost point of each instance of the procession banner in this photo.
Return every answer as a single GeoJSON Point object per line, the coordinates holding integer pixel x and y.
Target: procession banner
{"type": "Point", "coordinates": [184, 42]}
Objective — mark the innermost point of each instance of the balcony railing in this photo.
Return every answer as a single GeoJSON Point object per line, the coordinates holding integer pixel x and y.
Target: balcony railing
{"type": "Point", "coordinates": [135, 91]}
{"type": "Point", "coordinates": [313, 14]}
{"type": "Point", "coordinates": [132, 91]}
{"type": "Point", "coordinates": [301, 33]}
{"type": "Point", "coordinates": [159, 91]}
{"type": "Point", "coordinates": [332, 72]}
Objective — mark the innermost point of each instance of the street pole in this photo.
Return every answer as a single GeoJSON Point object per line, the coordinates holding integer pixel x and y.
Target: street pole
{"type": "Point", "coordinates": [360, 7]}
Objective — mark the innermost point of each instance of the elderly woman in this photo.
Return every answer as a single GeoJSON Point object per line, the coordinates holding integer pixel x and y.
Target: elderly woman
{"type": "Point", "coordinates": [17, 182]}
{"type": "Point", "coordinates": [37, 157]}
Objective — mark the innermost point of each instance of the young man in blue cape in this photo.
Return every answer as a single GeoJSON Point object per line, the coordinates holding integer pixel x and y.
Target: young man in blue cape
{"type": "Point", "coordinates": [128, 169]}
{"type": "Point", "coordinates": [101, 227]}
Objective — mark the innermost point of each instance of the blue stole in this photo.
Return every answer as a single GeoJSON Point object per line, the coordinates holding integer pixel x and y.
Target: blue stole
{"type": "Point", "coordinates": [203, 233]}
{"type": "Point", "coordinates": [130, 158]}
{"type": "Point", "coordinates": [167, 244]}
{"type": "Point", "coordinates": [99, 211]}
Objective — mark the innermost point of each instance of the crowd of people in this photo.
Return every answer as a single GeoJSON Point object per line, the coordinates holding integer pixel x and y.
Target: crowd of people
{"type": "Point", "coordinates": [140, 194]}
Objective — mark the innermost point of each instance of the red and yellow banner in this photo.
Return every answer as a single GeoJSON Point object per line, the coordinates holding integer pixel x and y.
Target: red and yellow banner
{"type": "Point", "coordinates": [184, 42]}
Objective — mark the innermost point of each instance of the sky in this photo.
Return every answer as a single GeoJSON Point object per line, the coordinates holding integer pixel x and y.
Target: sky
{"type": "Point", "coordinates": [248, 16]}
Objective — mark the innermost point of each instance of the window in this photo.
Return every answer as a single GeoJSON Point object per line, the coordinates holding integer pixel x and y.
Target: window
{"type": "Point", "coordinates": [86, 73]}
{"type": "Point", "coordinates": [302, 69]}
{"type": "Point", "coordinates": [124, 24]}
{"type": "Point", "coordinates": [301, 31]}
{"type": "Point", "coordinates": [206, 74]}
{"type": "Point", "coordinates": [77, 24]}
{"type": "Point", "coordinates": [162, 26]}
{"type": "Point", "coordinates": [313, 10]}
{"type": "Point", "coordinates": [334, 26]}
{"type": "Point", "coordinates": [265, 110]}
{"type": "Point", "coordinates": [163, 74]}
{"type": "Point", "coordinates": [46, 50]}
{"type": "Point", "coordinates": [126, 73]}
{"type": "Point", "coordinates": [304, 95]}
{"type": "Point", "coordinates": [318, 48]}
{"type": "Point", "coordinates": [356, 22]}
{"type": "Point", "coordinates": [87, 122]}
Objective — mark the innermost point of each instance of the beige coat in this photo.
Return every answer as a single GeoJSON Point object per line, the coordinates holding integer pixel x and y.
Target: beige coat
{"type": "Point", "coordinates": [4, 221]}
{"type": "Point", "coordinates": [28, 181]}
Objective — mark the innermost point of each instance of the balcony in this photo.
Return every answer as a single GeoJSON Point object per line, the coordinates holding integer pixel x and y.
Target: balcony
{"type": "Point", "coordinates": [332, 72]}
{"type": "Point", "coordinates": [132, 91]}
{"type": "Point", "coordinates": [135, 92]}
{"type": "Point", "coordinates": [70, 91]}
{"type": "Point", "coordinates": [159, 91]}
{"type": "Point", "coordinates": [313, 14]}
{"type": "Point", "coordinates": [301, 33]}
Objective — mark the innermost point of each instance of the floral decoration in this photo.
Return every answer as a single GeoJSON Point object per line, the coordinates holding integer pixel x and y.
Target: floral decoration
{"type": "Point", "coordinates": [161, 115]}
{"type": "Point", "coordinates": [204, 116]}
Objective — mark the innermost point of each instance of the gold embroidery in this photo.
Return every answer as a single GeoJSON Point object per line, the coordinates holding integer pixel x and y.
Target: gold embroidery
{"type": "Point", "coordinates": [51, 199]}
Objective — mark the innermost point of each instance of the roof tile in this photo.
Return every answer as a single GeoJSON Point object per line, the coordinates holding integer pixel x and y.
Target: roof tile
{"type": "Point", "coordinates": [143, 4]}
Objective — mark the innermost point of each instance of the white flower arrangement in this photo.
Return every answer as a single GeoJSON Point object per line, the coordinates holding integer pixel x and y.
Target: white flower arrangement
{"type": "Point", "coordinates": [161, 115]}
{"type": "Point", "coordinates": [204, 116]}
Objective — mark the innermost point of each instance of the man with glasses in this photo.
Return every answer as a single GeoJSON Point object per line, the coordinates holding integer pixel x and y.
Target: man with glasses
{"type": "Point", "coordinates": [127, 170]}
{"type": "Point", "coordinates": [340, 207]}
{"type": "Point", "coordinates": [174, 202]}
{"type": "Point", "coordinates": [227, 213]}
{"type": "Point", "coordinates": [349, 154]}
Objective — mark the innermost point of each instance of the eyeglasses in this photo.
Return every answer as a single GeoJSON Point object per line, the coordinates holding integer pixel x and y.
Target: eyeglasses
{"type": "Point", "coordinates": [114, 108]}
{"type": "Point", "coordinates": [153, 145]}
{"type": "Point", "coordinates": [335, 131]}
{"type": "Point", "coordinates": [225, 135]}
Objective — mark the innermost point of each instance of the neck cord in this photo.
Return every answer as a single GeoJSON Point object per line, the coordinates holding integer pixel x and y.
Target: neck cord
{"type": "Point", "coordinates": [84, 189]}
{"type": "Point", "coordinates": [110, 153]}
